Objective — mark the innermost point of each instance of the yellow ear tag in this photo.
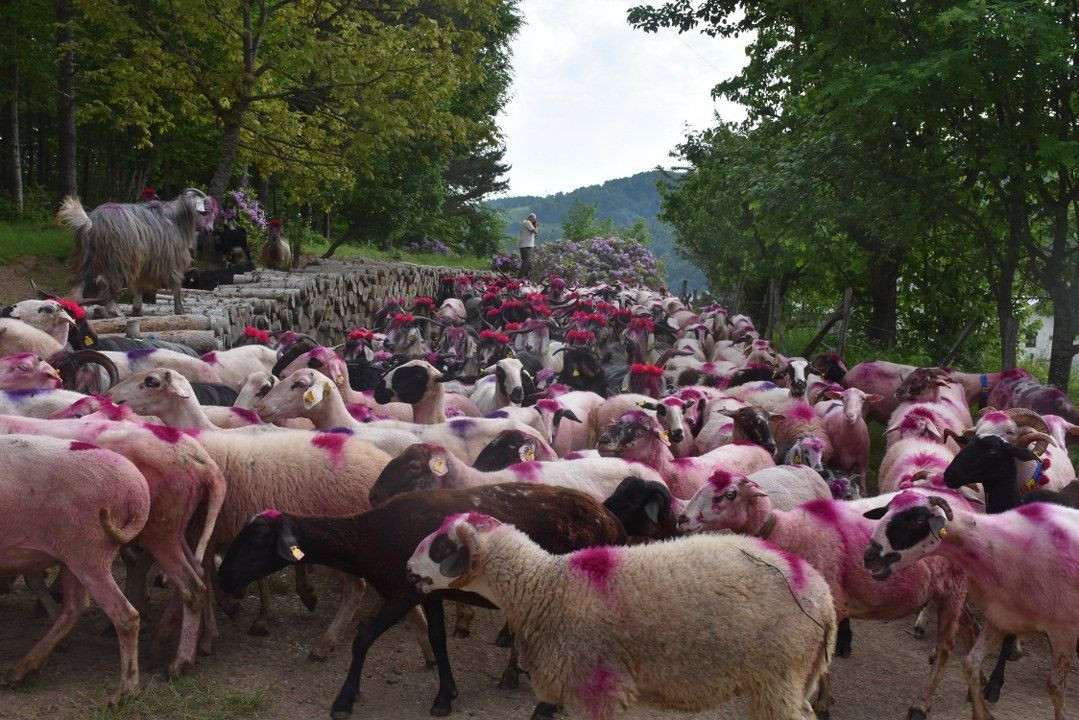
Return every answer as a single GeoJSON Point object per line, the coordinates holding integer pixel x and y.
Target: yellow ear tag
{"type": "Point", "coordinates": [438, 465]}
{"type": "Point", "coordinates": [1029, 485]}
{"type": "Point", "coordinates": [943, 533]}
{"type": "Point", "coordinates": [529, 453]}
{"type": "Point", "coordinates": [309, 396]}
{"type": "Point", "coordinates": [87, 341]}
{"type": "Point", "coordinates": [666, 437]}
{"type": "Point", "coordinates": [796, 458]}
{"type": "Point", "coordinates": [339, 379]}
{"type": "Point", "coordinates": [576, 373]}
{"type": "Point", "coordinates": [297, 553]}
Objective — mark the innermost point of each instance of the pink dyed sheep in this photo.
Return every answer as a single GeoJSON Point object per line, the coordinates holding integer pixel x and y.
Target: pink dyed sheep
{"type": "Point", "coordinates": [843, 416]}
{"type": "Point", "coordinates": [831, 535]}
{"type": "Point", "coordinates": [167, 395]}
{"type": "Point", "coordinates": [234, 365]}
{"type": "Point", "coordinates": [639, 436]}
{"type": "Point", "coordinates": [670, 411]}
{"type": "Point", "coordinates": [617, 633]}
{"type": "Point", "coordinates": [330, 364]}
{"type": "Point", "coordinates": [96, 501]}
{"type": "Point", "coordinates": [1022, 566]}
{"type": "Point", "coordinates": [27, 371]}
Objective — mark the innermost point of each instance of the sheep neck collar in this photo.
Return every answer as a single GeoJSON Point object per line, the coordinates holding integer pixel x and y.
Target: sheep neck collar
{"type": "Point", "coordinates": [1035, 479]}
{"type": "Point", "coordinates": [984, 382]}
{"type": "Point", "coordinates": [768, 526]}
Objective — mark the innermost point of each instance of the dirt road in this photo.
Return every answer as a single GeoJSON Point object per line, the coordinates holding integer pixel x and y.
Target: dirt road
{"type": "Point", "coordinates": [886, 670]}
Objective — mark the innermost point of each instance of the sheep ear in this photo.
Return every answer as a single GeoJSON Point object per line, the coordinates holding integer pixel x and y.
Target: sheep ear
{"type": "Point", "coordinates": [652, 508]}
{"type": "Point", "coordinates": [174, 387]}
{"type": "Point", "coordinates": [567, 414]}
{"type": "Point", "coordinates": [288, 547]}
{"type": "Point", "coordinates": [368, 353]}
{"type": "Point", "coordinates": [437, 463]}
{"type": "Point", "coordinates": [833, 395]}
{"type": "Point", "coordinates": [776, 417]}
{"type": "Point", "coordinates": [873, 398]}
{"type": "Point", "coordinates": [936, 525]}
{"type": "Point", "coordinates": [314, 395]}
{"type": "Point", "coordinates": [527, 452]}
{"type": "Point", "coordinates": [876, 513]}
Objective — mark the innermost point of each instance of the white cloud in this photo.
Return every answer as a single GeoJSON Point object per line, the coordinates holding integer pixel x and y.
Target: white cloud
{"type": "Point", "coordinates": [594, 99]}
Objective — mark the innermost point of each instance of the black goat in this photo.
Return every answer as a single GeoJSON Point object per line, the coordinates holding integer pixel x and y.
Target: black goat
{"type": "Point", "coordinates": [582, 370]}
{"type": "Point", "coordinates": [645, 508]}
{"type": "Point", "coordinates": [209, 279]}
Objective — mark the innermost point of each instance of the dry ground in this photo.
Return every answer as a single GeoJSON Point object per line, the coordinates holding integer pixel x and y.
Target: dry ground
{"type": "Point", "coordinates": [271, 677]}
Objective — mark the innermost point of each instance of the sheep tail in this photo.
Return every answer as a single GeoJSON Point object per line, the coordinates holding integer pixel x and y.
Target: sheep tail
{"type": "Point", "coordinates": [215, 499]}
{"type": "Point", "coordinates": [121, 535]}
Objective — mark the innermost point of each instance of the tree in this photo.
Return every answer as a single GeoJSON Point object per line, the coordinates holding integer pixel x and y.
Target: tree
{"type": "Point", "coordinates": [580, 223]}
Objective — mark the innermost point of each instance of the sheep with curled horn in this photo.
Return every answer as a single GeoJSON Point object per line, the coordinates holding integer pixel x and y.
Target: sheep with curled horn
{"type": "Point", "coordinates": [143, 246]}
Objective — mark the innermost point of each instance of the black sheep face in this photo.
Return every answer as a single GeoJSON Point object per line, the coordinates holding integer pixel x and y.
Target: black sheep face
{"type": "Point", "coordinates": [419, 467]}
{"type": "Point", "coordinates": [410, 383]}
{"type": "Point", "coordinates": [508, 448]}
{"type": "Point", "coordinates": [988, 459]}
{"type": "Point", "coordinates": [267, 544]}
{"type": "Point", "coordinates": [644, 509]}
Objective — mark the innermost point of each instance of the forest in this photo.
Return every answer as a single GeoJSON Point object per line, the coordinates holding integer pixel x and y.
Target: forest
{"type": "Point", "coordinates": [367, 122]}
{"type": "Point", "coordinates": [925, 155]}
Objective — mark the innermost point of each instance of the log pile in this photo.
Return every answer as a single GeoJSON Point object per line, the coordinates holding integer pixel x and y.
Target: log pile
{"type": "Point", "coordinates": [326, 300]}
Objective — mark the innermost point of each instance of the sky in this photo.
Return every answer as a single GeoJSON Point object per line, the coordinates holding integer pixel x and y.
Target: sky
{"type": "Point", "coordinates": [594, 99]}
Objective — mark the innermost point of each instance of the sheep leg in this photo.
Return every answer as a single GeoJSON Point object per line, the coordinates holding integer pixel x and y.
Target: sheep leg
{"type": "Point", "coordinates": [125, 618]}
{"type": "Point", "coordinates": [511, 676]}
{"type": "Point", "coordinates": [1061, 647]}
{"type": "Point", "coordinates": [972, 669]}
{"type": "Point", "coordinates": [781, 699]}
{"type": "Point", "coordinates": [136, 300]}
{"type": "Point", "coordinates": [436, 634]}
{"type": "Point", "coordinates": [137, 567]}
{"type": "Point", "coordinates": [843, 639]}
{"type": "Point", "coordinates": [188, 586]}
{"type": "Point", "coordinates": [417, 622]}
{"type": "Point", "coordinates": [261, 626]}
{"type": "Point", "coordinates": [822, 703]}
{"type": "Point", "coordinates": [505, 637]}
{"type": "Point", "coordinates": [921, 622]}
{"type": "Point", "coordinates": [304, 589]}
{"type": "Point", "coordinates": [991, 691]}
{"type": "Point", "coordinates": [228, 604]}
{"type": "Point", "coordinates": [465, 614]}
{"type": "Point", "coordinates": [36, 583]}
{"type": "Point", "coordinates": [352, 589]}
{"type": "Point", "coordinates": [545, 711]}
{"type": "Point", "coordinates": [6, 581]}
{"type": "Point", "coordinates": [947, 621]}
{"type": "Point", "coordinates": [74, 603]}
{"type": "Point", "coordinates": [387, 616]}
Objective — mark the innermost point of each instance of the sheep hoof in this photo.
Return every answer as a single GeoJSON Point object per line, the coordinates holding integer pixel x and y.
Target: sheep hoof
{"type": "Point", "coordinates": [544, 711]}
{"type": "Point", "coordinates": [510, 680]}
{"type": "Point", "coordinates": [916, 714]}
{"type": "Point", "coordinates": [823, 714]}
{"type": "Point", "coordinates": [309, 601]}
{"type": "Point", "coordinates": [337, 714]}
{"type": "Point", "coordinates": [258, 630]}
{"type": "Point", "coordinates": [505, 637]}
{"type": "Point", "coordinates": [991, 692]}
{"type": "Point", "coordinates": [441, 709]}
{"type": "Point", "coordinates": [919, 632]}
{"type": "Point", "coordinates": [461, 632]}
{"type": "Point", "coordinates": [1015, 654]}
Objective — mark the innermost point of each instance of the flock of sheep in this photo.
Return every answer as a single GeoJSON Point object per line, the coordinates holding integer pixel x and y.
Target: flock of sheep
{"type": "Point", "coordinates": [584, 460]}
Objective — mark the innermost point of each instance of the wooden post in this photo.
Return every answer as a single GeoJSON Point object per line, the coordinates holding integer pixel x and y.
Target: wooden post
{"type": "Point", "coordinates": [848, 301]}
{"type": "Point", "coordinates": [685, 296]}
{"type": "Point", "coordinates": [967, 330]}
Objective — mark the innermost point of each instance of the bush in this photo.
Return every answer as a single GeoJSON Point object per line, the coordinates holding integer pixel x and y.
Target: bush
{"type": "Point", "coordinates": [598, 259]}
{"type": "Point", "coordinates": [426, 245]}
{"type": "Point", "coordinates": [507, 263]}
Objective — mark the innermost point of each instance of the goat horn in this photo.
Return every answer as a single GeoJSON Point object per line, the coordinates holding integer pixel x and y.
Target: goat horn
{"type": "Point", "coordinates": [41, 293]}
{"type": "Point", "coordinates": [985, 411]}
{"type": "Point", "coordinates": [1041, 442]}
{"type": "Point", "coordinates": [920, 475]}
{"type": "Point", "coordinates": [1027, 417]}
{"type": "Point", "coordinates": [85, 357]}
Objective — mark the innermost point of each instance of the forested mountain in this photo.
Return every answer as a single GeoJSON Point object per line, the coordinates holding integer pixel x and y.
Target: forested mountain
{"type": "Point", "coordinates": [624, 201]}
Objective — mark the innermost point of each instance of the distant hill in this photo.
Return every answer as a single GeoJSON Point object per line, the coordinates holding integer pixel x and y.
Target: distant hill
{"type": "Point", "coordinates": [624, 201]}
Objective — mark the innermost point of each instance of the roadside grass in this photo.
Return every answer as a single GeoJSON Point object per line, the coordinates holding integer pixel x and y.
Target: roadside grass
{"type": "Point", "coordinates": [471, 262]}
{"type": "Point", "coordinates": [187, 697]}
{"type": "Point", "coordinates": [34, 238]}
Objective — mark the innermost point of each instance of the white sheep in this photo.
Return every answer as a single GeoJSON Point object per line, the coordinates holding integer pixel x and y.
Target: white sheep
{"type": "Point", "coordinates": [683, 624]}
{"type": "Point", "coordinates": [234, 365]}
{"type": "Point", "coordinates": [504, 387]}
{"type": "Point", "coordinates": [19, 337]}
{"type": "Point", "coordinates": [167, 395]}
{"type": "Point", "coordinates": [1022, 566]}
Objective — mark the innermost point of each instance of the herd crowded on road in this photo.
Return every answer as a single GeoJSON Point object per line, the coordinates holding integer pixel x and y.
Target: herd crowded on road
{"type": "Point", "coordinates": [664, 508]}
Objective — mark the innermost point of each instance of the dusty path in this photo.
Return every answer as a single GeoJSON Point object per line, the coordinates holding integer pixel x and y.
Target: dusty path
{"type": "Point", "coordinates": [885, 672]}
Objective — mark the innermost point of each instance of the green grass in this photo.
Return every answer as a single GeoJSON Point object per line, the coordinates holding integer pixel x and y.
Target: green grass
{"type": "Point", "coordinates": [470, 262]}
{"type": "Point", "coordinates": [186, 697]}
{"type": "Point", "coordinates": [34, 238]}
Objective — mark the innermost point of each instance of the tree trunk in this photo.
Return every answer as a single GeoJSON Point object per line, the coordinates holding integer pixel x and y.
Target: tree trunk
{"type": "Point", "coordinates": [230, 145]}
{"type": "Point", "coordinates": [65, 104]}
{"type": "Point", "coordinates": [1007, 325]}
{"type": "Point", "coordinates": [884, 295]}
{"type": "Point", "coordinates": [1065, 330]}
{"type": "Point", "coordinates": [14, 156]}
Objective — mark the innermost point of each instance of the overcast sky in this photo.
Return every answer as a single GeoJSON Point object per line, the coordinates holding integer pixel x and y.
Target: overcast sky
{"type": "Point", "coordinates": [594, 99]}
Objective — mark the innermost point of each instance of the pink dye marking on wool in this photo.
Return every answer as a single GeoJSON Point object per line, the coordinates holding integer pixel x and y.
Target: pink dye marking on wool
{"type": "Point", "coordinates": [795, 565]}
{"type": "Point", "coordinates": [77, 445]}
{"type": "Point", "coordinates": [905, 500]}
{"type": "Point", "coordinates": [598, 691]}
{"type": "Point", "coordinates": [800, 411]}
{"type": "Point", "coordinates": [270, 514]}
{"type": "Point", "coordinates": [529, 472]}
{"type": "Point", "coordinates": [597, 564]}
{"type": "Point", "coordinates": [163, 432]}
{"type": "Point", "coordinates": [548, 405]}
{"type": "Point", "coordinates": [720, 479]}
{"type": "Point", "coordinates": [924, 459]}
{"type": "Point", "coordinates": [333, 443]}
{"type": "Point", "coordinates": [210, 357]}
{"type": "Point", "coordinates": [1035, 512]}
{"type": "Point", "coordinates": [478, 520]}
{"type": "Point", "coordinates": [246, 415]}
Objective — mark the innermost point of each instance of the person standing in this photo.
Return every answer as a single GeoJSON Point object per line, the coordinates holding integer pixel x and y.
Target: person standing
{"type": "Point", "coordinates": [529, 230]}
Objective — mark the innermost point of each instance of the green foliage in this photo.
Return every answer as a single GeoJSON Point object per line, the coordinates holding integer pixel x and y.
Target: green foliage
{"type": "Point", "coordinates": [624, 202]}
{"type": "Point", "coordinates": [34, 238]}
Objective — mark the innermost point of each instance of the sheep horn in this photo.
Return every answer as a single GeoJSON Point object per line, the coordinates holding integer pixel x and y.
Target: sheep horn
{"type": "Point", "coordinates": [920, 475]}
{"type": "Point", "coordinates": [86, 357]}
{"type": "Point", "coordinates": [950, 434]}
{"type": "Point", "coordinates": [1041, 442]}
{"type": "Point", "coordinates": [985, 411]}
{"type": "Point", "coordinates": [41, 293]}
{"type": "Point", "coordinates": [1028, 418]}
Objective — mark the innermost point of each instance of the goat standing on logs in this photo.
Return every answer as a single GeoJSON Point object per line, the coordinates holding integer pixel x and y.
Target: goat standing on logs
{"type": "Point", "coordinates": [144, 246]}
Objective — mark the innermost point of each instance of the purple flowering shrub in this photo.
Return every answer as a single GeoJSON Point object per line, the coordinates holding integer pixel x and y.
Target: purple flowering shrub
{"type": "Point", "coordinates": [242, 207]}
{"type": "Point", "coordinates": [426, 245]}
{"type": "Point", "coordinates": [507, 263]}
{"type": "Point", "coordinates": [598, 259]}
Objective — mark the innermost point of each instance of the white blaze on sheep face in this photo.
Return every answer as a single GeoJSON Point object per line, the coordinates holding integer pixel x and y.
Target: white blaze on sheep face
{"type": "Point", "coordinates": [911, 526]}
{"type": "Point", "coordinates": [449, 558]}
